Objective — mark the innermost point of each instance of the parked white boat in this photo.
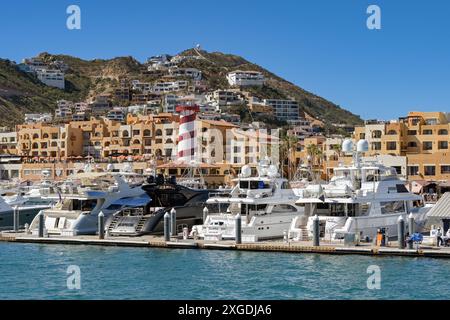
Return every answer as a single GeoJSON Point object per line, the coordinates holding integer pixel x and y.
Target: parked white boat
{"type": "Point", "coordinates": [360, 199]}
{"type": "Point", "coordinates": [78, 204]}
{"type": "Point", "coordinates": [264, 201]}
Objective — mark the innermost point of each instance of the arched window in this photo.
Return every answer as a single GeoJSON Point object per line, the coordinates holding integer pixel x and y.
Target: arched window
{"type": "Point", "coordinates": [45, 136]}
{"type": "Point", "coordinates": [169, 141]}
{"type": "Point", "coordinates": [35, 136]}
{"type": "Point", "coordinates": [443, 132]}
{"type": "Point", "coordinates": [35, 145]}
{"type": "Point", "coordinates": [376, 134]}
{"type": "Point", "coordinates": [146, 133]}
{"type": "Point", "coordinates": [107, 144]}
{"type": "Point", "coordinates": [158, 132]}
{"type": "Point", "coordinates": [54, 144]}
{"type": "Point", "coordinates": [136, 141]}
{"type": "Point", "coordinates": [125, 133]}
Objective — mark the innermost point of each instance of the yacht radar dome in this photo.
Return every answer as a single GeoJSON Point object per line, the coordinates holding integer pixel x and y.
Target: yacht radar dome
{"type": "Point", "coordinates": [272, 171]}
{"type": "Point", "coordinates": [347, 146]}
{"type": "Point", "coordinates": [362, 146]}
{"type": "Point", "coordinates": [246, 171]}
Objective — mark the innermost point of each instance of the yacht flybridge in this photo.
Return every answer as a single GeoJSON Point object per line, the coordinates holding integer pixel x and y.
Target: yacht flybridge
{"type": "Point", "coordinates": [84, 196]}
{"type": "Point", "coordinates": [359, 199]}
{"type": "Point", "coordinates": [265, 204]}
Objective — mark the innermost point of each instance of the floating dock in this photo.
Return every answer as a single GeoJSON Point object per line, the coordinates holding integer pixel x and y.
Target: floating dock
{"type": "Point", "coordinates": [269, 246]}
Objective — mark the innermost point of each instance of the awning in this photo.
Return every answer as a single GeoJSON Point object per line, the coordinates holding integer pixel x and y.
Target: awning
{"type": "Point", "coordinates": [131, 202]}
{"type": "Point", "coordinates": [441, 209]}
{"type": "Point", "coordinates": [444, 184]}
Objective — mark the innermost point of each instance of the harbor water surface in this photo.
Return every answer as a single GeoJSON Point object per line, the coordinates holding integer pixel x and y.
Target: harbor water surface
{"type": "Point", "coordinates": [34, 271]}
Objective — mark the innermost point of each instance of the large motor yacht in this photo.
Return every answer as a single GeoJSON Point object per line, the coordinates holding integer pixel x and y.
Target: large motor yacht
{"type": "Point", "coordinates": [360, 199]}
{"type": "Point", "coordinates": [165, 195]}
{"type": "Point", "coordinates": [84, 196]}
{"type": "Point", "coordinates": [264, 201]}
{"type": "Point", "coordinates": [27, 200]}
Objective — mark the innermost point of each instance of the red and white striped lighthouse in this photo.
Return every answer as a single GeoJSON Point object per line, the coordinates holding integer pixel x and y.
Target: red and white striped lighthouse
{"type": "Point", "coordinates": [186, 134]}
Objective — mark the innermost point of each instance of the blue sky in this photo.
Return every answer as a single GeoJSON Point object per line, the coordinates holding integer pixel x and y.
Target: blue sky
{"type": "Point", "coordinates": [323, 46]}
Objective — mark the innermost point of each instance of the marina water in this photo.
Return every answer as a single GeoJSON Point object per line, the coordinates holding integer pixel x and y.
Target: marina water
{"type": "Point", "coordinates": [34, 271]}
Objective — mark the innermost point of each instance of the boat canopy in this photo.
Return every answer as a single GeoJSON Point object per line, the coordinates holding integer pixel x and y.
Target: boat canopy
{"type": "Point", "coordinates": [131, 202]}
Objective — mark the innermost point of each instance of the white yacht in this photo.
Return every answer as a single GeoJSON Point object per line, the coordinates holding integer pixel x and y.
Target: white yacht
{"type": "Point", "coordinates": [265, 204]}
{"type": "Point", "coordinates": [359, 199]}
{"type": "Point", "coordinates": [81, 200]}
{"type": "Point", "coordinates": [27, 200]}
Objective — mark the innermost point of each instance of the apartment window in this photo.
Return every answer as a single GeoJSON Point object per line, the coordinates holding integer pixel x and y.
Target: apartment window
{"type": "Point", "coordinates": [412, 144]}
{"type": "Point", "coordinates": [443, 145]}
{"type": "Point", "coordinates": [431, 121]}
{"type": "Point", "coordinates": [427, 132]}
{"type": "Point", "coordinates": [412, 132]}
{"type": "Point", "coordinates": [392, 132]}
{"type": "Point", "coordinates": [430, 170]}
{"type": "Point", "coordinates": [376, 134]}
{"type": "Point", "coordinates": [445, 169]}
{"type": "Point", "coordinates": [443, 132]}
{"type": "Point", "coordinates": [413, 170]}
{"type": "Point", "coordinates": [428, 145]}
{"type": "Point", "coordinates": [362, 136]}
{"type": "Point", "coordinates": [391, 145]}
{"type": "Point", "coordinates": [136, 132]}
{"type": "Point", "coordinates": [376, 145]}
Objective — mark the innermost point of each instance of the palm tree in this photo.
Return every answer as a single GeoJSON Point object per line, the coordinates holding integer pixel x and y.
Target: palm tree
{"type": "Point", "coordinates": [287, 152]}
{"type": "Point", "coordinates": [316, 155]}
{"type": "Point", "coordinates": [337, 148]}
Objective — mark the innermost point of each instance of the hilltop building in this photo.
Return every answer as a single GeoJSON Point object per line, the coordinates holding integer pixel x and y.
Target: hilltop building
{"type": "Point", "coordinates": [245, 78]}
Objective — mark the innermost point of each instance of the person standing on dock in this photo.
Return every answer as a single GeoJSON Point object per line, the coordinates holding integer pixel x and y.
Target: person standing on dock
{"type": "Point", "coordinates": [440, 241]}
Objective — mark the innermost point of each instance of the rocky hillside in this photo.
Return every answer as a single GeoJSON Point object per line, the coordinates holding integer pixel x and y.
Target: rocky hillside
{"type": "Point", "coordinates": [22, 93]}
{"type": "Point", "coordinates": [216, 65]}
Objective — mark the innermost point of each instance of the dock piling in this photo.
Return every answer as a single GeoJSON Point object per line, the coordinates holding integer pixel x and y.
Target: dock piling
{"type": "Point", "coordinates": [173, 222]}
{"type": "Point", "coordinates": [101, 225]}
{"type": "Point", "coordinates": [167, 227]}
{"type": "Point", "coordinates": [401, 232]}
{"type": "Point", "coordinates": [238, 228]}
{"type": "Point", "coordinates": [410, 229]}
{"type": "Point", "coordinates": [41, 225]}
{"type": "Point", "coordinates": [205, 214]}
{"type": "Point", "coordinates": [316, 232]}
{"type": "Point", "coordinates": [16, 218]}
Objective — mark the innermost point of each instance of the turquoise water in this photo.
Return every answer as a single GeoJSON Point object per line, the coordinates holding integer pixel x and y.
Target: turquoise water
{"type": "Point", "coordinates": [33, 271]}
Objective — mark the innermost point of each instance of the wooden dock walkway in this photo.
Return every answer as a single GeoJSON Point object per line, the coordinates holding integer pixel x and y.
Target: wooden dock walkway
{"type": "Point", "coordinates": [269, 246]}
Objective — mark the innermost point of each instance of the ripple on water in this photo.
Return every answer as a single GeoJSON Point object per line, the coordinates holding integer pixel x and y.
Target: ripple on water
{"type": "Point", "coordinates": [32, 271]}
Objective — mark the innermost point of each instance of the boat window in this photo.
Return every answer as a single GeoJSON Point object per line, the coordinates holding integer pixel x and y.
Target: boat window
{"type": "Point", "coordinates": [259, 185]}
{"type": "Point", "coordinates": [364, 208]}
{"type": "Point", "coordinates": [114, 207]}
{"type": "Point", "coordinates": [337, 209]}
{"type": "Point", "coordinates": [392, 207]}
{"type": "Point", "coordinates": [322, 206]}
{"type": "Point", "coordinates": [401, 188]}
{"type": "Point", "coordinates": [84, 205]}
{"type": "Point", "coordinates": [279, 208]}
{"type": "Point", "coordinates": [257, 207]}
{"type": "Point", "coordinates": [243, 184]}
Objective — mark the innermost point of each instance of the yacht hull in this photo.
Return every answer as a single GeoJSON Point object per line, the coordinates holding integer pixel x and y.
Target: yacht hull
{"type": "Point", "coordinates": [26, 215]}
{"type": "Point", "coordinates": [187, 216]}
